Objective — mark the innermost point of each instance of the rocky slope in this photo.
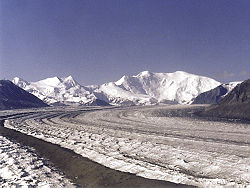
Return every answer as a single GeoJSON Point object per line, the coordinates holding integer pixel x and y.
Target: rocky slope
{"type": "Point", "coordinates": [213, 96]}
{"type": "Point", "coordinates": [234, 105]}
{"type": "Point", "coordinates": [13, 97]}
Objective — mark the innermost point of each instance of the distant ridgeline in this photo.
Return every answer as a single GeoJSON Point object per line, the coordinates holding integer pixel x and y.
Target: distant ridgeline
{"type": "Point", "coordinates": [14, 97]}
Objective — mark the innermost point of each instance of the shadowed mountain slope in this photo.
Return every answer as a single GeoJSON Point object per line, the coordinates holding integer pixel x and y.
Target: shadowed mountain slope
{"type": "Point", "coordinates": [14, 97]}
{"type": "Point", "coordinates": [234, 105]}
{"type": "Point", "coordinates": [213, 96]}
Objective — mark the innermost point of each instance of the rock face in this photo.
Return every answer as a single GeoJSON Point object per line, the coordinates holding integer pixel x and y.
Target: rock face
{"type": "Point", "coordinates": [98, 102]}
{"type": "Point", "coordinates": [213, 96]}
{"type": "Point", "coordinates": [14, 97]}
{"type": "Point", "coordinates": [234, 105]}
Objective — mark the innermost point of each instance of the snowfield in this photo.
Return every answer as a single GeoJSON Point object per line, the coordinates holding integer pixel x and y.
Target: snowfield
{"type": "Point", "coordinates": [21, 167]}
{"type": "Point", "coordinates": [156, 142]}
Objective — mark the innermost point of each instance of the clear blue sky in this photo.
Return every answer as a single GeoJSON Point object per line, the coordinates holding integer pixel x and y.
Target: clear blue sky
{"type": "Point", "coordinates": [97, 41]}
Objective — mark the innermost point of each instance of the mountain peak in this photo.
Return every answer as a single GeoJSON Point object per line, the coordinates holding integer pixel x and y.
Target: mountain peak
{"type": "Point", "coordinates": [17, 80]}
{"type": "Point", "coordinates": [144, 73]}
{"type": "Point", "coordinates": [122, 79]}
{"type": "Point", "coordinates": [53, 81]}
{"type": "Point", "coordinates": [69, 81]}
{"type": "Point", "coordinates": [181, 72]}
{"type": "Point", "coordinates": [69, 78]}
{"type": "Point", "coordinates": [20, 82]}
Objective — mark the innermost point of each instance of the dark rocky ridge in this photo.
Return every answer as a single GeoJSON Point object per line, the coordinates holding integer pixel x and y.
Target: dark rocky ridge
{"type": "Point", "coordinates": [212, 96]}
{"type": "Point", "coordinates": [236, 104]}
{"type": "Point", "coordinates": [14, 97]}
{"type": "Point", "coordinates": [98, 102]}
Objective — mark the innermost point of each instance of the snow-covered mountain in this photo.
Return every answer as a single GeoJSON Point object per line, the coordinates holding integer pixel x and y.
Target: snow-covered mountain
{"type": "Point", "coordinates": [57, 90]}
{"type": "Point", "coordinates": [151, 88]}
{"type": "Point", "coordinates": [146, 88]}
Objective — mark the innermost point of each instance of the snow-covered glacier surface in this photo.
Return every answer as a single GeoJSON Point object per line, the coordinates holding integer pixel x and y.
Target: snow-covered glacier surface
{"type": "Point", "coordinates": [21, 167]}
{"type": "Point", "coordinates": [143, 89]}
{"type": "Point", "coordinates": [159, 142]}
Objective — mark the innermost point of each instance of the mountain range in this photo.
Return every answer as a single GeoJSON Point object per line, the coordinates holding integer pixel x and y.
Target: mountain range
{"type": "Point", "coordinates": [145, 88]}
